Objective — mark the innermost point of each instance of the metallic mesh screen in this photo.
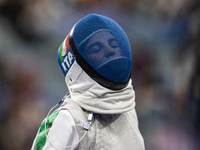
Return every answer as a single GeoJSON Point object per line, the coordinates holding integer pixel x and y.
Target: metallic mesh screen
{"type": "Point", "coordinates": [105, 46]}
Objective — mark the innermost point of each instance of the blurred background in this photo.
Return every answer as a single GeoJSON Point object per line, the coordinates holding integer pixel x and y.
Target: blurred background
{"type": "Point", "coordinates": [165, 40]}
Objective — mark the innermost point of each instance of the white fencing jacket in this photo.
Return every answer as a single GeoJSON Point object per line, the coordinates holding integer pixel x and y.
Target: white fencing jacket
{"type": "Point", "coordinates": [114, 125]}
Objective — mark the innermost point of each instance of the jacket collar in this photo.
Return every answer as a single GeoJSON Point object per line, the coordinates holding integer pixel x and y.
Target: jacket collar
{"type": "Point", "coordinates": [91, 96]}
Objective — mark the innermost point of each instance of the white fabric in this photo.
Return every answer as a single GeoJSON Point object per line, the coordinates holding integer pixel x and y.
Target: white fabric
{"type": "Point", "coordinates": [63, 133]}
{"type": "Point", "coordinates": [91, 96]}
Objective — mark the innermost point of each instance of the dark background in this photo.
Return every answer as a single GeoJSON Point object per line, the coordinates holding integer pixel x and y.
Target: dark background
{"type": "Point", "coordinates": [165, 40]}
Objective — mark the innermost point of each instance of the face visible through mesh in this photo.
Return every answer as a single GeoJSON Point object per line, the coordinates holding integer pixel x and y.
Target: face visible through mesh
{"type": "Point", "coordinates": [103, 44]}
{"type": "Point", "coordinates": [101, 48]}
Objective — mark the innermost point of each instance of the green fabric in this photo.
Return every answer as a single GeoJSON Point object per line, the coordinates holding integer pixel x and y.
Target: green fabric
{"type": "Point", "coordinates": [41, 136]}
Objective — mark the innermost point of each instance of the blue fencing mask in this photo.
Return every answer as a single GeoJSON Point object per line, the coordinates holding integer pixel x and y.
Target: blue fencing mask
{"type": "Point", "coordinates": [101, 48]}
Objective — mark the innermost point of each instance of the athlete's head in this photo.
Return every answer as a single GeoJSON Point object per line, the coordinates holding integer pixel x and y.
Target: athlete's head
{"type": "Point", "coordinates": [101, 48]}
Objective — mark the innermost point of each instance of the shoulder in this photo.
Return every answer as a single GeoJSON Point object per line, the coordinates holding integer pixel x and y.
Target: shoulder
{"type": "Point", "coordinates": [59, 125]}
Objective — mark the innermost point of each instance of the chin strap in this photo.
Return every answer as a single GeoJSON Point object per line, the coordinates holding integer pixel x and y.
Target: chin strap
{"type": "Point", "coordinates": [86, 126]}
